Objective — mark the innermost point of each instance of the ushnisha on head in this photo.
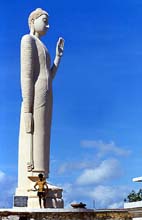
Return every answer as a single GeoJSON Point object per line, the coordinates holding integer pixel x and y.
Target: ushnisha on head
{"type": "Point", "coordinates": [38, 22]}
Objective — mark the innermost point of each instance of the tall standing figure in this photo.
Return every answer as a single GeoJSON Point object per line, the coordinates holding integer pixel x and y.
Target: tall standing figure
{"type": "Point", "coordinates": [36, 110]}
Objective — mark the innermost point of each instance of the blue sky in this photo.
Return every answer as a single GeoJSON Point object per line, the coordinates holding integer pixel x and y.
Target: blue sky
{"type": "Point", "coordinates": [96, 145]}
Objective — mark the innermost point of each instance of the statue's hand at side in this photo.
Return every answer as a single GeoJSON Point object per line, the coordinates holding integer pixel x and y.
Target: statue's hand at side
{"type": "Point", "coordinates": [60, 47]}
{"type": "Point", "coordinates": [28, 117]}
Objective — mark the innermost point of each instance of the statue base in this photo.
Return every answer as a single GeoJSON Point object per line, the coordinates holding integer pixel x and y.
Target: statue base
{"type": "Point", "coordinates": [28, 198]}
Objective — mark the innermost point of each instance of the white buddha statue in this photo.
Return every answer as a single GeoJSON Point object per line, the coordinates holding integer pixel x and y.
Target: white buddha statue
{"type": "Point", "coordinates": [37, 75]}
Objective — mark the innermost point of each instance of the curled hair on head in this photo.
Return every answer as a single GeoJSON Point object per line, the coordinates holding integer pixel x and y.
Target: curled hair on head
{"type": "Point", "coordinates": [36, 14]}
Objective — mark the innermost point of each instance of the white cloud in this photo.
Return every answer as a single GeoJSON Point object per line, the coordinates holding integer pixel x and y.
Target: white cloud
{"type": "Point", "coordinates": [109, 196]}
{"type": "Point", "coordinates": [105, 148]}
{"type": "Point", "coordinates": [8, 185]}
{"type": "Point", "coordinates": [93, 176]}
{"type": "Point", "coordinates": [91, 158]}
{"type": "Point", "coordinates": [2, 176]}
{"type": "Point", "coordinates": [71, 166]}
{"type": "Point", "coordinates": [103, 196]}
{"type": "Point", "coordinates": [106, 170]}
{"type": "Point", "coordinates": [116, 205]}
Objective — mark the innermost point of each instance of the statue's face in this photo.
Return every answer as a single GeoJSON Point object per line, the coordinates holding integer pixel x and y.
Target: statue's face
{"type": "Point", "coordinates": [41, 25]}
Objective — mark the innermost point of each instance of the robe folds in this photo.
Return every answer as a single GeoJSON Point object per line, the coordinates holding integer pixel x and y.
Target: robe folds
{"type": "Point", "coordinates": [36, 86]}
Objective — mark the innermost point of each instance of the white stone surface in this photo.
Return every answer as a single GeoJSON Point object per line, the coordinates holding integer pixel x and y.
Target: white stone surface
{"type": "Point", "coordinates": [37, 75]}
{"type": "Point", "coordinates": [137, 218]}
{"type": "Point", "coordinates": [128, 205]}
{"type": "Point", "coordinates": [57, 210]}
{"type": "Point", "coordinates": [137, 179]}
{"type": "Point", "coordinates": [132, 205]}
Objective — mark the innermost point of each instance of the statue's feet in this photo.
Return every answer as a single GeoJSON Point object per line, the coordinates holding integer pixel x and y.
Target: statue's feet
{"type": "Point", "coordinates": [30, 166]}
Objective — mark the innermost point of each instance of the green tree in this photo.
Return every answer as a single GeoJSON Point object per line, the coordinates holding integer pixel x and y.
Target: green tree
{"type": "Point", "coordinates": [134, 196]}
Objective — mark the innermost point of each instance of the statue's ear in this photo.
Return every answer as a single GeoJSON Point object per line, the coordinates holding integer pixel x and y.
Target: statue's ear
{"type": "Point", "coordinates": [32, 26]}
{"type": "Point", "coordinates": [32, 21]}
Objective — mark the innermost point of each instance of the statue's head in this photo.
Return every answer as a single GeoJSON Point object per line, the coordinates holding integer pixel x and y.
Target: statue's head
{"type": "Point", "coordinates": [38, 21]}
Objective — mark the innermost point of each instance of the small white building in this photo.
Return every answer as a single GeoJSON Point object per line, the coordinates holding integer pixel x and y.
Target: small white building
{"type": "Point", "coordinates": [135, 207]}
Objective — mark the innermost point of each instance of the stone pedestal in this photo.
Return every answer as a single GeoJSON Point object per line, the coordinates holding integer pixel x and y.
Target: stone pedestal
{"type": "Point", "coordinates": [53, 198]}
{"type": "Point", "coordinates": [64, 214]}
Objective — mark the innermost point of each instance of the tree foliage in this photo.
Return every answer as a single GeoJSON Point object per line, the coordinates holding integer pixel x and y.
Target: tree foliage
{"type": "Point", "coordinates": [134, 196]}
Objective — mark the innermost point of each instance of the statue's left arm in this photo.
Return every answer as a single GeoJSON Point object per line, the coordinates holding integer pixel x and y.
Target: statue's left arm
{"type": "Point", "coordinates": [59, 53]}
